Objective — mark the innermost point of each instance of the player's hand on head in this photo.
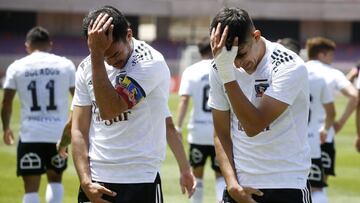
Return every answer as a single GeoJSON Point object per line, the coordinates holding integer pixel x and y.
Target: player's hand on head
{"type": "Point", "coordinates": [8, 137]}
{"type": "Point", "coordinates": [224, 59]}
{"type": "Point", "coordinates": [100, 33]}
{"type": "Point", "coordinates": [187, 182]}
{"type": "Point", "coordinates": [95, 191]}
{"type": "Point", "coordinates": [243, 194]}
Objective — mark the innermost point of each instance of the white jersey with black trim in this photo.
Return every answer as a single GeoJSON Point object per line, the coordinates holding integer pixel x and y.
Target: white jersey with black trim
{"type": "Point", "coordinates": [195, 83]}
{"type": "Point", "coordinates": [279, 156]}
{"type": "Point", "coordinates": [335, 79]}
{"type": "Point", "coordinates": [130, 147]}
{"type": "Point", "coordinates": [320, 94]}
{"type": "Point", "coordinates": [357, 84]}
{"type": "Point", "coordinates": [42, 81]}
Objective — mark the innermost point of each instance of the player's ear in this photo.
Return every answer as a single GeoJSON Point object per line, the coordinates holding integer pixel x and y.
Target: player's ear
{"type": "Point", "coordinates": [28, 47]}
{"type": "Point", "coordinates": [257, 35]}
{"type": "Point", "coordinates": [129, 35]}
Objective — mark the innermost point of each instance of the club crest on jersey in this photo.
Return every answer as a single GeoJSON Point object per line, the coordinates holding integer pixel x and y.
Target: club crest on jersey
{"type": "Point", "coordinates": [120, 77]}
{"type": "Point", "coordinates": [260, 87]}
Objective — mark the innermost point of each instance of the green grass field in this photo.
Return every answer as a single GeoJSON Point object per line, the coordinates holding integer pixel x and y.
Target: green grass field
{"type": "Point", "coordinates": [344, 188]}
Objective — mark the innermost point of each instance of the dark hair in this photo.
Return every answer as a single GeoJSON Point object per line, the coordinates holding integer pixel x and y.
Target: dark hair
{"type": "Point", "coordinates": [291, 44]}
{"type": "Point", "coordinates": [239, 23]}
{"type": "Point", "coordinates": [37, 37]}
{"type": "Point", "coordinates": [318, 45]}
{"type": "Point", "coordinates": [204, 46]}
{"type": "Point", "coordinates": [120, 23]}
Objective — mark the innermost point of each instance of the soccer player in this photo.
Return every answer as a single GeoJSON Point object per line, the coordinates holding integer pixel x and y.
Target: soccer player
{"type": "Point", "coordinates": [321, 53]}
{"type": "Point", "coordinates": [357, 139]}
{"type": "Point", "coordinates": [320, 98]}
{"type": "Point", "coordinates": [43, 81]}
{"type": "Point", "coordinates": [259, 95]}
{"type": "Point", "coordinates": [195, 84]}
{"type": "Point", "coordinates": [120, 106]}
{"type": "Point", "coordinates": [321, 119]}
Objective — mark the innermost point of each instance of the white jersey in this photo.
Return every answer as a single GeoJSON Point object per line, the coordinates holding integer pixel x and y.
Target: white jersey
{"type": "Point", "coordinates": [42, 81]}
{"type": "Point", "coordinates": [335, 79]}
{"type": "Point", "coordinates": [320, 94]}
{"type": "Point", "coordinates": [279, 156]}
{"type": "Point", "coordinates": [195, 83]}
{"type": "Point", "coordinates": [130, 147]}
{"type": "Point", "coordinates": [357, 83]}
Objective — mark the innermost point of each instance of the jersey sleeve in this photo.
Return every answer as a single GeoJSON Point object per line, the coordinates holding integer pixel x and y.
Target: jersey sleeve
{"type": "Point", "coordinates": [10, 82]}
{"type": "Point", "coordinates": [185, 84]}
{"type": "Point", "coordinates": [287, 82]}
{"type": "Point", "coordinates": [217, 97]}
{"type": "Point", "coordinates": [341, 80]}
{"type": "Point", "coordinates": [358, 83]}
{"type": "Point", "coordinates": [81, 95]}
{"type": "Point", "coordinates": [148, 75]}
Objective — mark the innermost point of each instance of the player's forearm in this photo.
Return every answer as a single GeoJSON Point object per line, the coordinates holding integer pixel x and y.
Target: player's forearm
{"type": "Point", "coordinates": [80, 156]}
{"type": "Point", "coordinates": [177, 149]}
{"type": "Point", "coordinates": [176, 146]}
{"type": "Point", "coordinates": [107, 99]}
{"type": "Point", "coordinates": [66, 136]}
{"type": "Point", "coordinates": [223, 148]}
{"type": "Point", "coordinates": [350, 107]}
{"type": "Point", "coordinates": [330, 115]}
{"type": "Point", "coordinates": [182, 108]}
{"type": "Point", "coordinates": [6, 112]}
{"type": "Point", "coordinates": [249, 116]}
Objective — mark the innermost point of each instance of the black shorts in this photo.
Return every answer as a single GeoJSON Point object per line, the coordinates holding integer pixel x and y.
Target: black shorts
{"type": "Point", "coordinates": [199, 153]}
{"type": "Point", "coordinates": [328, 158]}
{"type": "Point", "coordinates": [316, 176]}
{"type": "Point", "coordinates": [278, 196]}
{"type": "Point", "coordinates": [131, 193]}
{"type": "Point", "coordinates": [36, 158]}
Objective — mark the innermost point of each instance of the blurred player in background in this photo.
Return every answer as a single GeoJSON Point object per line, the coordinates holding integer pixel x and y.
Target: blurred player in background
{"type": "Point", "coordinates": [195, 84]}
{"type": "Point", "coordinates": [259, 97]}
{"type": "Point", "coordinates": [43, 82]}
{"type": "Point", "coordinates": [321, 101]}
{"type": "Point", "coordinates": [353, 73]}
{"type": "Point", "coordinates": [120, 107]}
{"type": "Point", "coordinates": [291, 44]}
{"type": "Point", "coordinates": [321, 53]}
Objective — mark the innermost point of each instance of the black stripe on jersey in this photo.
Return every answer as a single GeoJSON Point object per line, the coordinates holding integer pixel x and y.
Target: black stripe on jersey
{"type": "Point", "coordinates": [261, 80]}
{"type": "Point", "coordinates": [280, 57]}
{"type": "Point", "coordinates": [143, 53]}
{"type": "Point", "coordinates": [213, 64]}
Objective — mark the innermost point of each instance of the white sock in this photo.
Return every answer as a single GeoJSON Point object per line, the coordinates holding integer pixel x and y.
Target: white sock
{"type": "Point", "coordinates": [31, 197]}
{"type": "Point", "coordinates": [220, 186]}
{"type": "Point", "coordinates": [54, 193]}
{"type": "Point", "coordinates": [198, 194]}
{"type": "Point", "coordinates": [319, 197]}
